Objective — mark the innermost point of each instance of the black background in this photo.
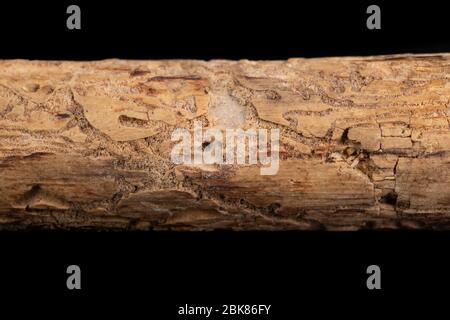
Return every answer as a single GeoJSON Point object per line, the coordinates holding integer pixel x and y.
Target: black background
{"type": "Point", "coordinates": [233, 29]}
{"type": "Point", "coordinates": [148, 275]}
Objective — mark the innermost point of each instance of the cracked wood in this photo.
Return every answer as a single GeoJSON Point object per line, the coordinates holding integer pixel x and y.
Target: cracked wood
{"type": "Point", "coordinates": [364, 143]}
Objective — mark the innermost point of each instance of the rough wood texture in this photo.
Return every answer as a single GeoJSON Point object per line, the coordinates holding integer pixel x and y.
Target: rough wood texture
{"type": "Point", "coordinates": [364, 143]}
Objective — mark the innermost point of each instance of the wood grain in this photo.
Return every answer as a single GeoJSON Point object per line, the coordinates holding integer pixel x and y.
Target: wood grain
{"type": "Point", "coordinates": [364, 143]}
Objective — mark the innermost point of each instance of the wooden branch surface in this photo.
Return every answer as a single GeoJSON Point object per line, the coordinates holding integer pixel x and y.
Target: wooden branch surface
{"type": "Point", "coordinates": [364, 143]}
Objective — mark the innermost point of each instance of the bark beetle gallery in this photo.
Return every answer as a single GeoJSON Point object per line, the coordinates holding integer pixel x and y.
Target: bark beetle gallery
{"type": "Point", "coordinates": [363, 143]}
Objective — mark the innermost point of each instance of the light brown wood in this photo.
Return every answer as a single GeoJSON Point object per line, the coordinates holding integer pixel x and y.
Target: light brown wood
{"type": "Point", "coordinates": [364, 143]}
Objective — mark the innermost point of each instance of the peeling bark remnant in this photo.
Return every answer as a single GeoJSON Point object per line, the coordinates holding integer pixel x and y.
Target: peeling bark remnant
{"type": "Point", "coordinates": [364, 143]}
